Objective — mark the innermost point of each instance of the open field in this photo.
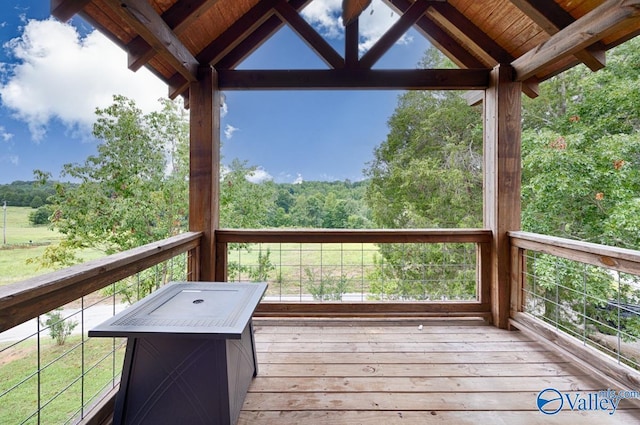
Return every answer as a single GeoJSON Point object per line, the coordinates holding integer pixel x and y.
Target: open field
{"type": "Point", "coordinates": [322, 271]}
{"type": "Point", "coordinates": [24, 241]}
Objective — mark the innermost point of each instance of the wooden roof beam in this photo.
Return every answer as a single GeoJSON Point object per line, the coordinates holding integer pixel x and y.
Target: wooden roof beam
{"type": "Point", "coordinates": [388, 39]}
{"type": "Point", "coordinates": [249, 44]}
{"type": "Point", "coordinates": [552, 18]}
{"type": "Point", "coordinates": [143, 18]}
{"type": "Point", "coordinates": [246, 25]}
{"type": "Point", "coordinates": [483, 46]}
{"type": "Point", "coordinates": [178, 17]}
{"type": "Point", "coordinates": [478, 41]}
{"type": "Point", "coordinates": [243, 47]}
{"type": "Point", "coordinates": [607, 18]}
{"type": "Point", "coordinates": [351, 41]}
{"type": "Point", "coordinates": [439, 38]}
{"type": "Point", "coordinates": [63, 10]}
{"type": "Point", "coordinates": [452, 48]}
{"type": "Point", "coordinates": [306, 32]}
{"type": "Point", "coordinates": [353, 79]}
{"type": "Point", "coordinates": [178, 85]}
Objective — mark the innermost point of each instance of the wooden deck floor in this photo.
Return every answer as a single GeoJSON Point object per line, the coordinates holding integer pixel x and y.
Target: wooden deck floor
{"type": "Point", "coordinates": [396, 372]}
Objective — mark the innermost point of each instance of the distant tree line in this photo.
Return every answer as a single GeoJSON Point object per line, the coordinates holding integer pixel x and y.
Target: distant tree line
{"type": "Point", "coordinates": [26, 193]}
{"type": "Point", "coordinates": [320, 204]}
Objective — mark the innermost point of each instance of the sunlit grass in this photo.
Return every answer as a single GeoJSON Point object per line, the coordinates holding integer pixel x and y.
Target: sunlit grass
{"type": "Point", "coordinates": [62, 391]}
{"type": "Point", "coordinates": [26, 242]}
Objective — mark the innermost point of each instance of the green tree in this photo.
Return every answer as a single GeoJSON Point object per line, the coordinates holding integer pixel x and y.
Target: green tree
{"type": "Point", "coordinates": [427, 174]}
{"type": "Point", "coordinates": [132, 192]}
{"type": "Point", "coordinates": [581, 180]}
{"type": "Point", "coordinates": [41, 215]}
{"type": "Point", "coordinates": [244, 204]}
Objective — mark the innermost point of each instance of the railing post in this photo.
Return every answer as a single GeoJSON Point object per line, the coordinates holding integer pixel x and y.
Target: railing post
{"type": "Point", "coordinates": [221, 262]}
{"type": "Point", "coordinates": [484, 272]}
{"type": "Point", "coordinates": [193, 265]}
{"type": "Point", "coordinates": [502, 175]}
{"type": "Point", "coordinates": [204, 177]}
{"type": "Point", "coordinates": [518, 267]}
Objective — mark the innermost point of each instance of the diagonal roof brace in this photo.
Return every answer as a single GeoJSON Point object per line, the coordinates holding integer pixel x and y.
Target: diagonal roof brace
{"type": "Point", "coordinates": [141, 16]}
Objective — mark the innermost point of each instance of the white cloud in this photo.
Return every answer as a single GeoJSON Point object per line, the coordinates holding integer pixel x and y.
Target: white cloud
{"type": "Point", "coordinates": [259, 175]}
{"type": "Point", "coordinates": [5, 135]}
{"type": "Point", "coordinates": [298, 179]}
{"type": "Point", "coordinates": [229, 130]}
{"type": "Point", "coordinates": [374, 21]}
{"type": "Point", "coordinates": [11, 159]}
{"type": "Point", "coordinates": [325, 15]}
{"type": "Point", "coordinates": [224, 108]}
{"type": "Point", "coordinates": [59, 75]}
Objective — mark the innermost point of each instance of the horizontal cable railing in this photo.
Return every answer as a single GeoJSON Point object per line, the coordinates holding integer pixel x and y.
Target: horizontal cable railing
{"type": "Point", "coordinates": [579, 294]}
{"type": "Point", "coordinates": [51, 372]}
{"type": "Point", "coordinates": [353, 272]}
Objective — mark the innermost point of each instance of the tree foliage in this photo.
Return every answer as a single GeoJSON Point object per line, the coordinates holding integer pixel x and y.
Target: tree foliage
{"type": "Point", "coordinates": [581, 159]}
{"type": "Point", "coordinates": [427, 174]}
{"type": "Point", "coordinates": [581, 180]}
{"type": "Point", "coordinates": [133, 191]}
{"type": "Point", "coordinates": [26, 194]}
{"type": "Point", "coordinates": [582, 162]}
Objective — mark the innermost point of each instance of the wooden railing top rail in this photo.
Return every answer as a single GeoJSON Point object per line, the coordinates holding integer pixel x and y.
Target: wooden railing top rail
{"type": "Point", "coordinates": [354, 236]}
{"type": "Point", "coordinates": [620, 259]}
{"type": "Point", "coordinates": [25, 300]}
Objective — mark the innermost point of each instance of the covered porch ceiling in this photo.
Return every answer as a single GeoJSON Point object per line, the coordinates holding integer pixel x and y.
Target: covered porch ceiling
{"type": "Point", "coordinates": [539, 39]}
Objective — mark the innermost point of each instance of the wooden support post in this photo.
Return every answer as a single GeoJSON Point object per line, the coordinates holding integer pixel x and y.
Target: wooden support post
{"type": "Point", "coordinates": [502, 171]}
{"type": "Point", "coordinates": [204, 177]}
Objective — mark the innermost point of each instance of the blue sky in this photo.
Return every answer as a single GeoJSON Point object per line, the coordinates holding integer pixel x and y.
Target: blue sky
{"type": "Point", "coordinates": [54, 75]}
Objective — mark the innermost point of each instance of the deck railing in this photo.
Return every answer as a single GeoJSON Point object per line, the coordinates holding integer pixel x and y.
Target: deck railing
{"type": "Point", "coordinates": [42, 382]}
{"type": "Point", "coordinates": [362, 272]}
{"type": "Point", "coordinates": [580, 294]}
{"type": "Point", "coordinates": [567, 291]}
{"type": "Point", "coordinates": [51, 372]}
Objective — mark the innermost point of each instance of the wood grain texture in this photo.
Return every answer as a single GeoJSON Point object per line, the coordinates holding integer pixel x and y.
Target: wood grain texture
{"type": "Point", "coordinates": [358, 372]}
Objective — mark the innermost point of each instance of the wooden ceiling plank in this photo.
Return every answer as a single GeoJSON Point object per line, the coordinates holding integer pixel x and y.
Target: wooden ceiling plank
{"type": "Point", "coordinates": [388, 39]}
{"type": "Point", "coordinates": [178, 17]}
{"type": "Point", "coordinates": [308, 34]}
{"type": "Point", "coordinates": [592, 27]}
{"type": "Point", "coordinates": [353, 79]}
{"type": "Point", "coordinates": [455, 22]}
{"type": "Point", "coordinates": [238, 32]}
{"type": "Point", "coordinates": [143, 18]}
{"type": "Point", "coordinates": [551, 17]}
{"type": "Point", "coordinates": [63, 10]}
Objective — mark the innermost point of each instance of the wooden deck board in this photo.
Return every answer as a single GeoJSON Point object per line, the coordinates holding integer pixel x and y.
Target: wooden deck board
{"type": "Point", "coordinates": [359, 372]}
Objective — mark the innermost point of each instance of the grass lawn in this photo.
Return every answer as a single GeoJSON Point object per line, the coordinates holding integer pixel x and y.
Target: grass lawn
{"type": "Point", "coordinates": [306, 268]}
{"type": "Point", "coordinates": [25, 241]}
{"type": "Point", "coordinates": [62, 391]}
